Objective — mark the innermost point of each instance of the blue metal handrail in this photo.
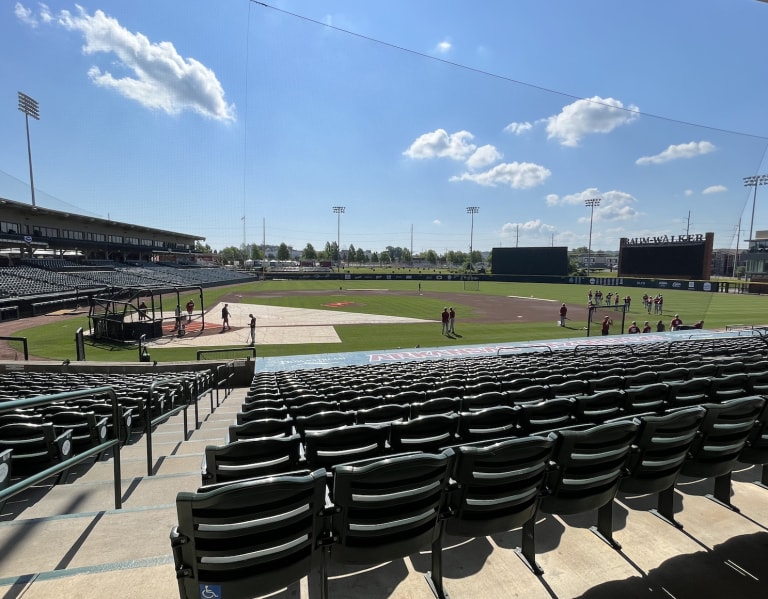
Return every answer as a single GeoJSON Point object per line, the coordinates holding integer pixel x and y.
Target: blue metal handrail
{"type": "Point", "coordinates": [187, 400]}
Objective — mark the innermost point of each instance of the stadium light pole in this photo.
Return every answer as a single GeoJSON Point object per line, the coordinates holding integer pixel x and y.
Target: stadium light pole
{"type": "Point", "coordinates": [339, 210]}
{"type": "Point", "coordinates": [591, 202]}
{"type": "Point", "coordinates": [754, 181]}
{"type": "Point", "coordinates": [30, 108]}
{"type": "Point", "coordinates": [472, 210]}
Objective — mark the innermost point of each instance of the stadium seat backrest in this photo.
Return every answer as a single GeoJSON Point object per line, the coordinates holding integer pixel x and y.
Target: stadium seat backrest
{"type": "Point", "coordinates": [547, 415]}
{"type": "Point", "coordinates": [660, 450]}
{"type": "Point", "coordinates": [600, 406]}
{"type": "Point", "coordinates": [723, 434]}
{"type": "Point", "coordinates": [481, 401]}
{"type": "Point", "coordinates": [497, 485]}
{"type": "Point", "coordinates": [729, 386]}
{"type": "Point", "coordinates": [390, 508]}
{"type": "Point", "coordinates": [438, 405]}
{"type": "Point", "coordinates": [384, 413]}
{"type": "Point", "coordinates": [491, 423]}
{"type": "Point", "coordinates": [528, 394]}
{"type": "Point", "coordinates": [646, 398]}
{"type": "Point", "coordinates": [569, 388]}
{"type": "Point", "coordinates": [325, 449]}
{"type": "Point", "coordinates": [269, 427]}
{"type": "Point", "coordinates": [323, 421]}
{"type": "Point", "coordinates": [688, 393]}
{"type": "Point", "coordinates": [603, 383]}
{"type": "Point", "coordinates": [251, 458]}
{"type": "Point", "coordinates": [673, 374]}
{"type": "Point", "coordinates": [35, 447]}
{"type": "Point", "coordinates": [590, 464]}
{"type": "Point", "coordinates": [247, 538]}
{"type": "Point", "coordinates": [425, 433]}
{"type": "Point", "coordinates": [640, 379]}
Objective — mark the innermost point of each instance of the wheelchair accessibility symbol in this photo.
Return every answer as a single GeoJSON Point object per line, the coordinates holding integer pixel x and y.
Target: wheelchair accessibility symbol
{"type": "Point", "coordinates": [210, 591]}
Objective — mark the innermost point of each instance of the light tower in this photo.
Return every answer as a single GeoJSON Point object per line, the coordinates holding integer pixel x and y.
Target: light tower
{"type": "Point", "coordinates": [472, 210]}
{"type": "Point", "coordinates": [592, 202]}
{"type": "Point", "coordinates": [30, 108]}
{"type": "Point", "coordinates": [754, 181]}
{"type": "Point", "coordinates": [339, 210]}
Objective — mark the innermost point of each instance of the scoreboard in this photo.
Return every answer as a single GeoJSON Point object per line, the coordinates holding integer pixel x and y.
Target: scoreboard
{"type": "Point", "coordinates": [667, 257]}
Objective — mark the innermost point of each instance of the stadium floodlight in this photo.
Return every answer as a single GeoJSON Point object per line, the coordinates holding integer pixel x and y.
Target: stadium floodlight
{"type": "Point", "coordinates": [591, 202]}
{"type": "Point", "coordinates": [30, 108]}
{"type": "Point", "coordinates": [472, 210]}
{"type": "Point", "coordinates": [338, 210]}
{"type": "Point", "coordinates": [754, 181]}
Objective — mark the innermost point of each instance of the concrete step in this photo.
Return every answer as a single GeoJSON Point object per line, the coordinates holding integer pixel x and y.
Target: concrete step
{"type": "Point", "coordinates": [71, 541]}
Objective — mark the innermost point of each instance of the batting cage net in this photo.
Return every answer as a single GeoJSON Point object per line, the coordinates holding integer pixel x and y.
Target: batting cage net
{"type": "Point", "coordinates": [471, 284]}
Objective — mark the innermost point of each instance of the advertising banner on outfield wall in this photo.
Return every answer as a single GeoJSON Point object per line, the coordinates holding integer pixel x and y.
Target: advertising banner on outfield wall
{"type": "Point", "coordinates": [647, 283]}
{"type": "Point", "coordinates": [591, 281]}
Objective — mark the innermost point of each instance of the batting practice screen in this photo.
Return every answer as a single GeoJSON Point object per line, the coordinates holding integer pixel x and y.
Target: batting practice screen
{"type": "Point", "coordinates": [679, 258]}
{"type": "Point", "coordinates": [530, 261]}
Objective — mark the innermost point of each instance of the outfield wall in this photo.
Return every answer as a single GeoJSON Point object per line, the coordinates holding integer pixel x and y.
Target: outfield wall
{"type": "Point", "coordinates": [681, 284]}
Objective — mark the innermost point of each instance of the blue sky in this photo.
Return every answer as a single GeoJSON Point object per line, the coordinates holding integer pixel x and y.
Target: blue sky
{"type": "Point", "coordinates": [190, 116]}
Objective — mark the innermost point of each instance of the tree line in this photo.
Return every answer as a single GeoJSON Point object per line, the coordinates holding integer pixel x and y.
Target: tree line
{"type": "Point", "coordinates": [390, 255]}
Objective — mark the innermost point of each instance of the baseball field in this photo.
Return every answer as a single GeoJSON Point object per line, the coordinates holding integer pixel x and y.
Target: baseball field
{"type": "Point", "coordinates": [309, 317]}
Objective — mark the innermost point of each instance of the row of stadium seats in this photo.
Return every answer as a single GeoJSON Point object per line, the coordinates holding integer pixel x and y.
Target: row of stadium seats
{"type": "Point", "coordinates": [35, 439]}
{"type": "Point", "coordinates": [382, 507]}
{"type": "Point", "coordinates": [43, 278]}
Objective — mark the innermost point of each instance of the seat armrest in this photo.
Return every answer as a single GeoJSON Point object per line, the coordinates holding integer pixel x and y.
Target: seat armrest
{"type": "Point", "coordinates": [64, 444]}
{"type": "Point", "coordinates": [101, 428]}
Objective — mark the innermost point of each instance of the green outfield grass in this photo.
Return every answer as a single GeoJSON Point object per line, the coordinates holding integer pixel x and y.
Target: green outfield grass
{"type": "Point", "coordinates": [56, 340]}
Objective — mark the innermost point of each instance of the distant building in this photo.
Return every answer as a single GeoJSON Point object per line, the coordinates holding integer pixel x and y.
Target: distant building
{"type": "Point", "coordinates": [723, 262]}
{"type": "Point", "coordinates": [28, 231]}
{"type": "Point", "coordinates": [756, 257]}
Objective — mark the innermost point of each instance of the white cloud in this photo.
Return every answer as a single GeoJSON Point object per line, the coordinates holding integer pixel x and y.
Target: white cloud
{"type": "Point", "coordinates": [689, 192]}
{"type": "Point", "coordinates": [614, 205]}
{"type": "Point", "coordinates": [484, 156]}
{"type": "Point", "coordinates": [518, 128]}
{"type": "Point", "coordinates": [162, 79]}
{"type": "Point", "coordinates": [593, 115]}
{"type": "Point", "coordinates": [443, 47]}
{"type": "Point", "coordinates": [439, 144]}
{"type": "Point", "coordinates": [437, 222]}
{"type": "Point", "coordinates": [614, 211]}
{"type": "Point", "coordinates": [531, 226]}
{"type": "Point", "coordinates": [689, 150]}
{"type": "Point", "coordinates": [517, 175]}
{"type": "Point", "coordinates": [25, 15]}
{"type": "Point", "coordinates": [715, 189]}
